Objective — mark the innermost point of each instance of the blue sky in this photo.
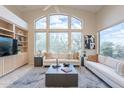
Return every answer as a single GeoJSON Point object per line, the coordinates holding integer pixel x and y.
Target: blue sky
{"type": "Point", "coordinates": [59, 22]}
{"type": "Point", "coordinates": [114, 34]}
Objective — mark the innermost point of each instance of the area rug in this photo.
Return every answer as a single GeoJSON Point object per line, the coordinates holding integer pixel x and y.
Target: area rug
{"type": "Point", "coordinates": [35, 78]}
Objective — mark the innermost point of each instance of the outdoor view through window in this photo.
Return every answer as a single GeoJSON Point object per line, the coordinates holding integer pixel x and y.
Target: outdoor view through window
{"type": "Point", "coordinates": [112, 42]}
{"type": "Point", "coordinates": [58, 33]}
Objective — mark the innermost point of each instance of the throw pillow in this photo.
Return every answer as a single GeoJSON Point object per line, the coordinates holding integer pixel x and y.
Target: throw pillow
{"type": "Point", "coordinates": [120, 68]}
{"type": "Point", "coordinates": [111, 62]}
{"type": "Point", "coordinates": [76, 55]}
{"type": "Point", "coordinates": [101, 59]}
{"type": "Point", "coordinates": [93, 58]}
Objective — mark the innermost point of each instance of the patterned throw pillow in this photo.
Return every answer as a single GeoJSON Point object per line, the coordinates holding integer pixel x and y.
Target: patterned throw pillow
{"type": "Point", "coordinates": [120, 68]}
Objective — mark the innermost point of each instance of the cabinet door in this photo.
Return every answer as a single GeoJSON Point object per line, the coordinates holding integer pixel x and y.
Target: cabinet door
{"type": "Point", "coordinates": [8, 64]}
{"type": "Point", "coordinates": [15, 61]}
{"type": "Point", "coordinates": [25, 57]}
{"type": "Point", "coordinates": [1, 66]}
{"type": "Point", "coordinates": [19, 60]}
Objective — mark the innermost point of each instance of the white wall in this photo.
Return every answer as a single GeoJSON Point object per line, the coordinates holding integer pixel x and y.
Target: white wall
{"type": "Point", "coordinates": [15, 11]}
{"type": "Point", "coordinates": [110, 15]}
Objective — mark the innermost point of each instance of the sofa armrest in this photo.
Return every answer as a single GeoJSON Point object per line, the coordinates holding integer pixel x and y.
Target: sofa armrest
{"type": "Point", "coordinates": [44, 57]}
{"type": "Point", "coordinates": [85, 60]}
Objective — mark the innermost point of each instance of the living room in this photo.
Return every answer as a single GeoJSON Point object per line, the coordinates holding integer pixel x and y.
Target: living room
{"type": "Point", "coordinates": [68, 46]}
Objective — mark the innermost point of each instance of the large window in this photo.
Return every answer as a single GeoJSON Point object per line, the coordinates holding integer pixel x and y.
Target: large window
{"type": "Point", "coordinates": [111, 42]}
{"type": "Point", "coordinates": [75, 23]}
{"type": "Point", "coordinates": [40, 41]}
{"type": "Point", "coordinates": [58, 33]}
{"type": "Point", "coordinates": [58, 42]}
{"type": "Point", "coordinates": [58, 22]}
{"type": "Point", "coordinates": [41, 24]}
{"type": "Point", "coordinates": [76, 41]}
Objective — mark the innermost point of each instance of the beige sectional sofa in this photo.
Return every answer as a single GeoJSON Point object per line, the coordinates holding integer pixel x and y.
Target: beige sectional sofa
{"type": "Point", "coordinates": [108, 69]}
{"type": "Point", "coordinates": [50, 58]}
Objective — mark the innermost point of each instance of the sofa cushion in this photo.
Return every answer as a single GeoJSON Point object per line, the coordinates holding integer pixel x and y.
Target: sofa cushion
{"type": "Point", "coordinates": [51, 56]}
{"type": "Point", "coordinates": [93, 58]}
{"type": "Point", "coordinates": [111, 62]}
{"type": "Point", "coordinates": [72, 61]}
{"type": "Point", "coordinates": [50, 60]}
{"type": "Point", "coordinates": [108, 72]}
{"type": "Point", "coordinates": [62, 60]}
{"type": "Point", "coordinates": [62, 56]}
{"type": "Point", "coordinates": [120, 68]}
{"type": "Point", "coordinates": [68, 60]}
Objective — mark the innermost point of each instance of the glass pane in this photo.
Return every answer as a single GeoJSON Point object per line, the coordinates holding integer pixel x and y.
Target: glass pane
{"type": "Point", "coordinates": [41, 23]}
{"type": "Point", "coordinates": [75, 23]}
{"type": "Point", "coordinates": [76, 41]}
{"type": "Point", "coordinates": [111, 42]}
{"type": "Point", "coordinates": [58, 21]}
{"type": "Point", "coordinates": [40, 41]}
{"type": "Point", "coordinates": [58, 42]}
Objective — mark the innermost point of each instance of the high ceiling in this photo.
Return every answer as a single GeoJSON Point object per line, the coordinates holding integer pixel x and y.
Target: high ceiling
{"type": "Point", "coordinates": [26, 8]}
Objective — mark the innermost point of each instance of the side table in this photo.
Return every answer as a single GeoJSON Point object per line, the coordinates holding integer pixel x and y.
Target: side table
{"type": "Point", "coordinates": [38, 61]}
{"type": "Point", "coordinates": [82, 61]}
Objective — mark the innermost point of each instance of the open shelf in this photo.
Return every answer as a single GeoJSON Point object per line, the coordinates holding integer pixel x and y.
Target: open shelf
{"type": "Point", "coordinates": [6, 29]}
{"type": "Point", "coordinates": [6, 35]}
{"type": "Point", "coordinates": [22, 37]}
{"type": "Point", "coordinates": [10, 30]}
{"type": "Point", "coordinates": [5, 25]}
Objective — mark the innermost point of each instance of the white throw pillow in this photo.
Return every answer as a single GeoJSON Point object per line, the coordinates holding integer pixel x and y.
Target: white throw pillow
{"type": "Point", "coordinates": [120, 68]}
{"type": "Point", "coordinates": [101, 59]}
{"type": "Point", "coordinates": [111, 62]}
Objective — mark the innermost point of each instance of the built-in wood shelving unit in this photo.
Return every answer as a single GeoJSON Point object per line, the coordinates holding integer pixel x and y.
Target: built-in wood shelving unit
{"type": "Point", "coordinates": [22, 37]}
{"type": "Point", "coordinates": [6, 29]}
{"type": "Point", "coordinates": [12, 26]}
{"type": "Point", "coordinates": [10, 30]}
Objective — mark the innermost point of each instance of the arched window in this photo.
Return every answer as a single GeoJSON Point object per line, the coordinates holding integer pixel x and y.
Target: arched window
{"type": "Point", "coordinates": [58, 22]}
{"type": "Point", "coordinates": [75, 23]}
{"type": "Point", "coordinates": [41, 23]}
{"type": "Point", "coordinates": [58, 33]}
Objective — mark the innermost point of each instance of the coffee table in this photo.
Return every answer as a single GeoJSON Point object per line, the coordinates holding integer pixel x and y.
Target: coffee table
{"type": "Point", "coordinates": [56, 77]}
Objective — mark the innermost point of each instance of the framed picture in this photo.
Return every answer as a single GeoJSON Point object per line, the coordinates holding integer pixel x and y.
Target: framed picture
{"type": "Point", "coordinates": [89, 41]}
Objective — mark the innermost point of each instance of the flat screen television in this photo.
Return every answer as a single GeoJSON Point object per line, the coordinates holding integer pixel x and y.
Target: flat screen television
{"type": "Point", "coordinates": [8, 46]}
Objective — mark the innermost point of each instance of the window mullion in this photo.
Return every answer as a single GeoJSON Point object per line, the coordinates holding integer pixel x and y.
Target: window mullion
{"type": "Point", "coordinates": [47, 33]}
{"type": "Point", "coordinates": [69, 33]}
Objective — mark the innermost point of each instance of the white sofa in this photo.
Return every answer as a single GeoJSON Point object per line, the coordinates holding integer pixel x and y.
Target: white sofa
{"type": "Point", "coordinates": [50, 58]}
{"type": "Point", "coordinates": [109, 70]}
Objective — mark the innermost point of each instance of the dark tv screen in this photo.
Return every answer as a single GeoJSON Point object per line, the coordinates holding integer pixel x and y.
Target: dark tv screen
{"type": "Point", "coordinates": [6, 46]}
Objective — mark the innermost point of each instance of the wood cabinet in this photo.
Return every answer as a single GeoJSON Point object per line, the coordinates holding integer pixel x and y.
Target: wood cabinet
{"type": "Point", "coordinates": [1, 66]}
{"type": "Point", "coordinates": [10, 63]}
{"type": "Point", "coordinates": [6, 29]}
{"type": "Point", "coordinates": [16, 29]}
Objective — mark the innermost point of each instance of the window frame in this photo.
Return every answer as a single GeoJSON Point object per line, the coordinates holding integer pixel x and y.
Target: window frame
{"type": "Point", "coordinates": [68, 30]}
{"type": "Point", "coordinates": [35, 40]}
{"type": "Point", "coordinates": [98, 35]}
